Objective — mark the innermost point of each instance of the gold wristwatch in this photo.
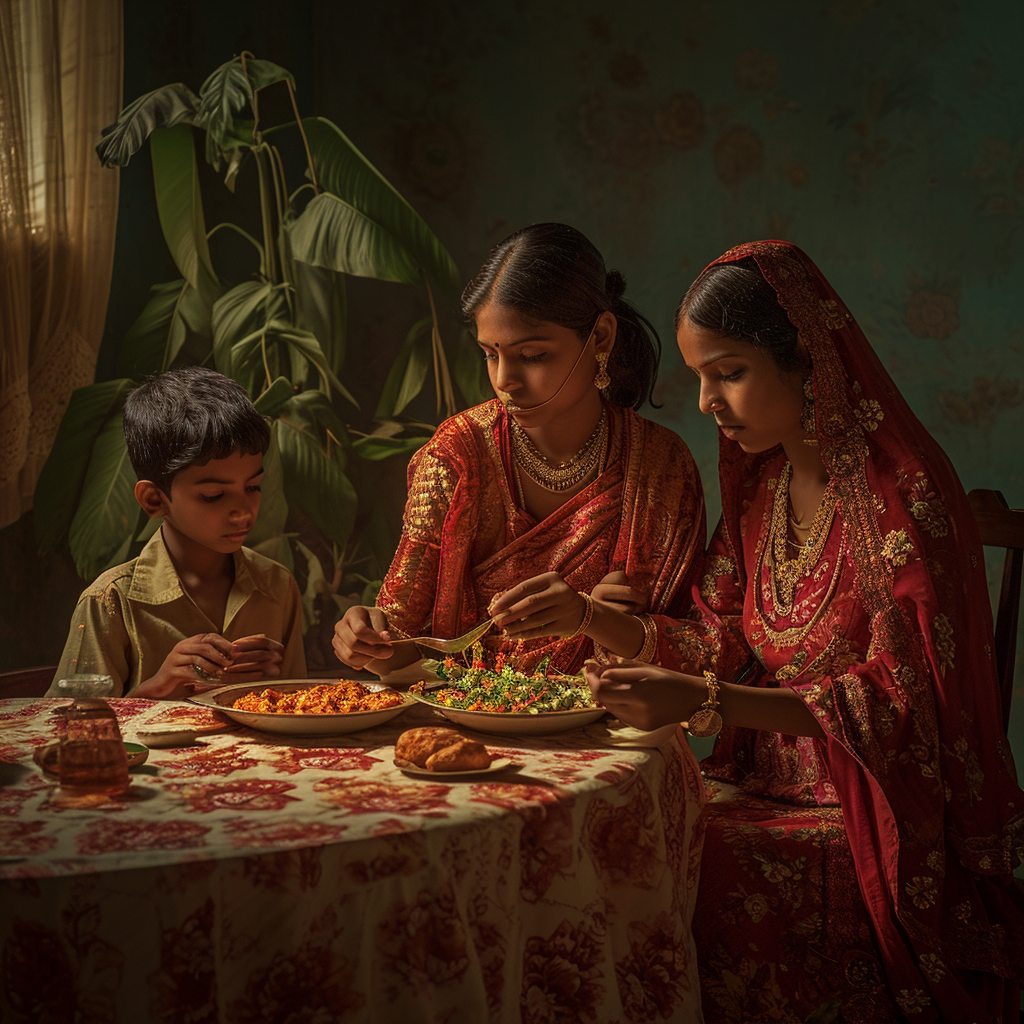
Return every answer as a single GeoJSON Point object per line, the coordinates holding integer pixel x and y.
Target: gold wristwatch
{"type": "Point", "coordinates": [706, 721]}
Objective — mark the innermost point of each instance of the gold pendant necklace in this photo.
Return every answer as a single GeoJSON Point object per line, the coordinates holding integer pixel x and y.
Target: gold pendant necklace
{"type": "Point", "coordinates": [565, 475]}
{"type": "Point", "coordinates": [786, 572]}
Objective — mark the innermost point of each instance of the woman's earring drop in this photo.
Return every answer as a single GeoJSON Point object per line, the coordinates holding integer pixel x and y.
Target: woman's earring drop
{"type": "Point", "coordinates": [601, 378]}
{"type": "Point", "coordinates": [807, 414]}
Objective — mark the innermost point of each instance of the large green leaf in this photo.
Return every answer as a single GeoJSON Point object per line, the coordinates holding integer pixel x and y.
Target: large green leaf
{"type": "Point", "coordinates": [179, 204]}
{"type": "Point", "coordinates": [104, 524]}
{"type": "Point", "coordinates": [312, 411]}
{"type": "Point", "coordinates": [334, 234]}
{"type": "Point", "coordinates": [342, 170]}
{"type": "Point", "coordinates": [274, 398]}
{"type": "Point", "coordinates": [270, 522]}
{"type": "Point", "coordinates": [265, 72]}
{"type": "Point", "coordinates": [251, 347]}
{"type": "Point", "coordinates": [316, 482]}
{"type": "Point", "coordinates": [470, 372]}
{"type": "Point", "coordinates": [374, 449]}
{"type": "Point", "coordinates": [227, 90]}
{"type": "Point", "coordinates": [241, 312]}
{"type": "Point", "coordinates": [162, 108]}
{"type": "Point", "coordinates": [174, 315]}
{"type": "Point", "coordinates": [146, 342]}
{"type": "Point", "coordinates": [322, 305]}
{"type": "Point", "coordinates": [408, 371]}
{"type": "Point", "coordinates": [59, 489]}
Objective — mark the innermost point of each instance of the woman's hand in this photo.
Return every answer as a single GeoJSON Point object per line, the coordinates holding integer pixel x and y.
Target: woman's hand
{"type": "Point", "coordinates": [645, 696]}
{"type": "Point", "coordinates": [614, 590]}
{"type": "Point", "coordinates": [542, 606]}
{"type": "Point", "coordinates": [361, 636]}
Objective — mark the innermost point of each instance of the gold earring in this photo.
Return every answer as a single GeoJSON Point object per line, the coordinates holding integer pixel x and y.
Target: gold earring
{"type": "Point", "coordinates": [807, 414]}
{"type": "Point", "coordinates": [601, 378]}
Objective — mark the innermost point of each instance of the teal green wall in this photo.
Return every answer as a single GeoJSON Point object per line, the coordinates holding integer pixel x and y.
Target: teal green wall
{"type": "Point", "coordinates": [884, 138]}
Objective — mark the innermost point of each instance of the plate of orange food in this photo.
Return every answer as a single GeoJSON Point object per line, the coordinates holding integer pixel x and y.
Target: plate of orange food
{"type": "Point", "coordinates": [307, 707]}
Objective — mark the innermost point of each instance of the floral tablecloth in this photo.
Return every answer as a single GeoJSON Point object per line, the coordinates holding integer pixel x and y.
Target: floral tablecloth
{"type": "Point", "coordinates": [259, 878]}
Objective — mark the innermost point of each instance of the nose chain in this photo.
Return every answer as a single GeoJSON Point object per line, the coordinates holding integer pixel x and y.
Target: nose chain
{"type": "Point", "coordinates": [564, 475]}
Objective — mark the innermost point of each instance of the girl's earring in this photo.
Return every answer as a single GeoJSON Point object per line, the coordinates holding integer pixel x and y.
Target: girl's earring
{"type": "Point", "coordinates": [601, 378]}
{"type": "Point", "coordinates": [807, 414]}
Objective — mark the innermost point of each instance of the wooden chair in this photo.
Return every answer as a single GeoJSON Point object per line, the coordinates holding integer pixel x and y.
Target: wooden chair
{"type": "Point", "coordinates": [27, 682]}
{"type": "Point", "coordinates": [1003, 527]}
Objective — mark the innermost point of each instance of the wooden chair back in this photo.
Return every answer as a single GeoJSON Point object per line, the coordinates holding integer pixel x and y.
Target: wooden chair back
{"type": "Point", "coordinates": [1003, 527]}
{"type": "Point", "coordinates": [27, 682]}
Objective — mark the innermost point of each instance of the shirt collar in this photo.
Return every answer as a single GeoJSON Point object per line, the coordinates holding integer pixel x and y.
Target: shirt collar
{"type": "Point", "coordinates": [156, 581]}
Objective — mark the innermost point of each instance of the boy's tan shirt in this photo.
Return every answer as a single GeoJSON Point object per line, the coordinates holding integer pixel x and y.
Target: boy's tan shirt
{"type": "Point", "coordinates": [127, 621]}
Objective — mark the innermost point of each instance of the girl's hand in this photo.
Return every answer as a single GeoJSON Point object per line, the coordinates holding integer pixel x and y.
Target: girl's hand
{"type": "Point", "coordinates": [614, 590]}
{"type": "Point", "coordinates": [542, 606]}
{"type": "Point", "coordinates": [645, 696]}
{"type": "Point", "coordinates": [361, 636]}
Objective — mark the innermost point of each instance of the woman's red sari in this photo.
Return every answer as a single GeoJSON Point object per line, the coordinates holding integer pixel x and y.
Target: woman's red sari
{"type": "Point", "coordinates": [465, 539]}
{"type": "Point", "coordinates": [886, 634]}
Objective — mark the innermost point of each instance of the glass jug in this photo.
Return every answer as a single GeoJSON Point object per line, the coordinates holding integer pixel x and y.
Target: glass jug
{"type": "Point", "coordinates": [91, 757]}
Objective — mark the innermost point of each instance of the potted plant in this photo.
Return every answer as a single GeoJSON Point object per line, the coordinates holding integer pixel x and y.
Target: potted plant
{"type": "Point", "coordinates": [279, 328]}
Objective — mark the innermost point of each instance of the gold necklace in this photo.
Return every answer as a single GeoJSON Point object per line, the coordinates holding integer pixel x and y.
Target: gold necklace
{"type": "Point", "coordinates": [564, 475]}
{"type": "Point", "coordinates": [786, 572]}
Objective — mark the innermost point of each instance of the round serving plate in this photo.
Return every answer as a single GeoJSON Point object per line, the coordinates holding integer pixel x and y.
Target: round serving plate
{"type": "Point", "coordinates": [515, 723]}
{"type": "Point", "coordinates": [297, 725]}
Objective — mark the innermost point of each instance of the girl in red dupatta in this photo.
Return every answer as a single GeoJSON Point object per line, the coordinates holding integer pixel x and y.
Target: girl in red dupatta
{"type": "Point", "coordinates": [865, 817]}
{"type": "Point", "coordinates": [531, 506]}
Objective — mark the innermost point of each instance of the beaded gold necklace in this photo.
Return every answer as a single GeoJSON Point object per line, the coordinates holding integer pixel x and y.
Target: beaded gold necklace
{"type": "Point", "coordinates": [564, 475]}
{"type": "Point", "coordinates": [786, 572]}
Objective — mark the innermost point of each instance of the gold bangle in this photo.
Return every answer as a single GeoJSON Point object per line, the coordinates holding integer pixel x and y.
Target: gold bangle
{"type": "Point", "coordinates": [650, 644]}
{"type": "Point", "coordinates": [706, 721]}
{"type": "Point", "coordinates": [588, 614]}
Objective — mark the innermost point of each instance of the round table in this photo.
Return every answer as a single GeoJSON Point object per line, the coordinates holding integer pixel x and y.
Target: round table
{"type": "Point", "coordinates": [256, 877]}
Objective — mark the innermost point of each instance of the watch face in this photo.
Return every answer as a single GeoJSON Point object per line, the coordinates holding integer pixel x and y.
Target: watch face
{"type": "Point", "coordinates": [705, 722]}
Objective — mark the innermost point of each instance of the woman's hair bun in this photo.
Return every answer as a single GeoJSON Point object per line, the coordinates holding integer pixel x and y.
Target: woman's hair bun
{"type": "Point", "coordinates": [614, 285]}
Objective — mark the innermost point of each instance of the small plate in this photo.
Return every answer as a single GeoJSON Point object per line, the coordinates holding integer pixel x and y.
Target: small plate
{"type": "Point", "coordinates": [497, 765]}
{"type": "Point", "coordinates": [515, 723]}
{"type": "Point", "coordinates": [297, 725]}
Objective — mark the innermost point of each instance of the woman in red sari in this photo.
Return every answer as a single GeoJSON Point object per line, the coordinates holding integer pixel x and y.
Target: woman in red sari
{"type": "Point", "coordinates": [529, 506]}
{"type": "Point", "coordinates": [865, 816]}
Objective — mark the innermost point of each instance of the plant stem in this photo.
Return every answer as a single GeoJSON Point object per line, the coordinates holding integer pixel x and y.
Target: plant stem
{"type": "Point", "coordinates": [267, 214]}
{"type": "Point", "coordinates": [252, 94]}
{"type": "Point", "coordinates": [302, 132]}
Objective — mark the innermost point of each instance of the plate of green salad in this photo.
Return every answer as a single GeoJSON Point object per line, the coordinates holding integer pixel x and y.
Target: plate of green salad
{"type": "Point", "coordinates": [508, 702]}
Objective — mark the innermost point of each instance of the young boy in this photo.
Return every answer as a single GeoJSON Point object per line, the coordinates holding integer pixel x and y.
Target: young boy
{"type": "Point", "coordinates": [195, 609]}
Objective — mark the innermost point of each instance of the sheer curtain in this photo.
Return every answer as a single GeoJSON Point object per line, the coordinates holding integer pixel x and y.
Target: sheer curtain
{"type": "Point", "coordinates": [60, 84]}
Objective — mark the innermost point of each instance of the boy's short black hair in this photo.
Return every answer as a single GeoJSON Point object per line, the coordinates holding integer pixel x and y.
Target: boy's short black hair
{"type": "Point", "coordinates": [186, 417]}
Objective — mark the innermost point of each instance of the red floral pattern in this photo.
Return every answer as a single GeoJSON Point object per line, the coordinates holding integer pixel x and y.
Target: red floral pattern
{"type": "Point", "coordinates": [111, 836]}
{"type": "Point", "coordinates": [247, 878]}
{"type": "Point", "coordinates": [368, 797]}
{"type": "Point", "coordinates": [327, 759]}
{"type": "Point", "coordinates": [562, 977]}
{"type": "Point", "coordinates": [190, 762]}
{"type": "Point", "coordinates": [238, 795]}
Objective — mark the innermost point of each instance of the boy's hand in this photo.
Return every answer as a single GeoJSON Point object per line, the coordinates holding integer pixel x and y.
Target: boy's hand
{"type": "Point", "coordinates": [194, 664]}
{"type": "Point", "coordinates": [254, 657]}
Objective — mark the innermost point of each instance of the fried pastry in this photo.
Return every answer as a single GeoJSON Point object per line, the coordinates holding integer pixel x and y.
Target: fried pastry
{"type": "Point", "coordinates": [443, 750]}
{"type": "Point", "coordinates": [462, 756]}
